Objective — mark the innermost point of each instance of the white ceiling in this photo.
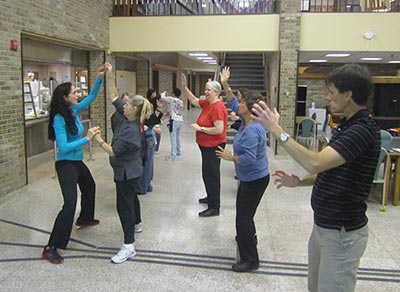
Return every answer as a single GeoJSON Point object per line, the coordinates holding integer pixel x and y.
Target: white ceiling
{"type": "Point", "coordinates": [355, 57]}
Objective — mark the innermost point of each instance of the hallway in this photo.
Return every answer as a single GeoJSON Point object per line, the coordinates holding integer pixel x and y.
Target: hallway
{"type": "Point", "coordinates": [177, 250]}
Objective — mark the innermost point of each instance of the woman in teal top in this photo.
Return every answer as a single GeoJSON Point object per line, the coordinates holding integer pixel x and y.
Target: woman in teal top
{"type": "Point", "coordinates": [66, 128]}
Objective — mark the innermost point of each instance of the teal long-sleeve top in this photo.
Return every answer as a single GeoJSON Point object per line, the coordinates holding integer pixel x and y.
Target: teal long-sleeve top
{"type": "Point", "coordinates": [70, 147]}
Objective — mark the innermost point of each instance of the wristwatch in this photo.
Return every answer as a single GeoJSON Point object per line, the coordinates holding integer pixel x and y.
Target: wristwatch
{"type": "Point", "coordinates": [202, 129]}
{"type": "Point", "coordinates": [284, 137]}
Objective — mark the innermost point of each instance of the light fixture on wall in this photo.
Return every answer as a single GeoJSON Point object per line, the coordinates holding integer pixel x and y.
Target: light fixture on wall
{"type": "Point", "coordinates": [369, 35]}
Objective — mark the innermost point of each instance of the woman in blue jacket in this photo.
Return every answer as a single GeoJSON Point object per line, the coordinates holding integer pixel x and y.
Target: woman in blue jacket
{"type": "Point", "coordinates": [66, 128]}
{"type": "Point", "coordinates": [144, 182]}
{"type": "Point", "coordinates": [251, 166]}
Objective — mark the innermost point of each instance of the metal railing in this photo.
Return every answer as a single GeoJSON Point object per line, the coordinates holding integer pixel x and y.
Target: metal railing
{"type": "Point", "coordinates": [320, 6]}
{"type": "Point", "coordinates": [193, 7]}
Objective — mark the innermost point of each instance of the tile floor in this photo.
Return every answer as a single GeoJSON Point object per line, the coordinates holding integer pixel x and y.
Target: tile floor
{"type": "Point", "coordinates": [177, 250]}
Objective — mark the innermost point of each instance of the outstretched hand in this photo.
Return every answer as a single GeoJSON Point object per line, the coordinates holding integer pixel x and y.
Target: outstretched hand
{"type": "Point", "coordinates": [183, 80]}
{"type": "Point", "coordinates": [92, 132]}
{"type": "Point", "coordinates": [108, 66]}
{"type": "Point", "coordinates": [224, 154]}
{"type": "Point", "coordinates": [195, 126]}
{"type": "Point", "coordinates": [264, 115]}
{"type": "Point", "coordinates": [284, 179]}
{"type": "Point", "coordinates": [225, 74]}
{"type": "Point", "coordinates": [101, 71]}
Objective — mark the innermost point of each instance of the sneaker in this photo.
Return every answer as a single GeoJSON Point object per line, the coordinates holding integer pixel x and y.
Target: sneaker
{"type": "Point", "coordinates": [51, 254]}
{"type": "Point", "coordinates": [80, 223]}
{"type": "Point", "coordinates": [203, 200]}
{"type": "Point", "coordinates": [138, 228]}
{"type": "Point", "coordinates": [127, 251]}
{"type": "Point", "coordinates": [245, 266]}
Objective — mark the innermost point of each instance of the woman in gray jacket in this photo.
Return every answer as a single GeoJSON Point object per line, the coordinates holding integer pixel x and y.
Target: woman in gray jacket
{"type": "Point", "coordinates": [126, 161]}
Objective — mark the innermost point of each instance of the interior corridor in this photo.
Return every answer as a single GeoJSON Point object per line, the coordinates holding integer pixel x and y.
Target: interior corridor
{"type": "Point", "coordinates": [177, 250]}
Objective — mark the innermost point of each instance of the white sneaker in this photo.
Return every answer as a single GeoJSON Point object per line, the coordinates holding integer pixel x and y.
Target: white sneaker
{"type": "Point", "coordinates": [138, 228]}
{"type": "Point", "coordinates": [127, 251]}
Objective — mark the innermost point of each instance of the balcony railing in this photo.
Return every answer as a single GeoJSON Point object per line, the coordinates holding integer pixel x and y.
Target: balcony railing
{"type": "Point", "coordinates": [193, 7]}
{"type": "Point", "coordinates": [218, 7]}
{"type": "Point", "coordinates": [350, 6]}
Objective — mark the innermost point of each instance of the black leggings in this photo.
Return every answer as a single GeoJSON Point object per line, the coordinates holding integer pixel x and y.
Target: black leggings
{"type": "Point", "coordinates": [249, 195]}
{"type": "Point", "coordinates": [210, 168]}
{"type": "Point", "coordinates": [70, 173]}
{"type": "Point", "coordinates": [128, 207]}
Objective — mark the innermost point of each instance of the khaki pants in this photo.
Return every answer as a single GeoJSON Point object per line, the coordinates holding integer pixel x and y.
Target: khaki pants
{"type": "Point", "coordinates": [334, 258]}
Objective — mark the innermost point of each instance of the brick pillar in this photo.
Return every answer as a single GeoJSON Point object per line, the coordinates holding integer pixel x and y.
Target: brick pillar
{"type": "Point", "coordinates": [97, 108]}
{"type": "Point", "coordinates": [142, 77]}
{"type": "Point", "coordinates": [289, 43]}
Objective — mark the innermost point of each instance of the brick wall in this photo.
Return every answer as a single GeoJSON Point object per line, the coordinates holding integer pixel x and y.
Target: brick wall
{"type": "Point", "coordinates": [165, 80]}
{"type": "Point", "coordinates": [316, 91]}
{"type": "Point", "coordinates": [289, 43]}
{"type": "Point", "coordinates": [142, 77]}
{"type": "Point", "coordinates": [82, 22]}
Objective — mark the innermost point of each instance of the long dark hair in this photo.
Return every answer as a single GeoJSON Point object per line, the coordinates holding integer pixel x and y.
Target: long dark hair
{"type": "Point", "coordinates": [59, 105]}
{"type": "Point", "coordinates": [153, 101]}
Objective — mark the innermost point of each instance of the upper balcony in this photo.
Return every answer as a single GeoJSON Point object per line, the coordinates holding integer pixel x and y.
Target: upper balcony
{"type": "Point", "coordinates": [235, 7]}
{"type": "Point", "coordinates": [193, 7]}
{"type": "Point", "coordinates": [350, 6]}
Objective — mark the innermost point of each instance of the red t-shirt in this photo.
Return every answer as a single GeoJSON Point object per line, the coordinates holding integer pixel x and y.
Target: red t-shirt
{"type": "Point", "coordinates": [209, 114]}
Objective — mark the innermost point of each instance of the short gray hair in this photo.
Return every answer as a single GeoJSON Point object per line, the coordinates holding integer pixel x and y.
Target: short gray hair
{"type": "Point", "coordinates": [214, 85]}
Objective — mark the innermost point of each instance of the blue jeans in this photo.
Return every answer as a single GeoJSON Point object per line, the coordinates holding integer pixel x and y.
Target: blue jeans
{"type": "Point", "coordinates": [144, 183]}
{"type": "Point", "coordinates": [176, 139]}
{"type": "Point", "coordinates": [158, 139]}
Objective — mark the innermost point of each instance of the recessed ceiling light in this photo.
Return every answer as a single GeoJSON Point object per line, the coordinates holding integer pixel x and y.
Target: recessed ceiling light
{"type": "Point", "coordinates": [198, 54]}
{"type": "Point", "coordinates": [337, 55]}
{"type": "Point", "coordinates": [371, 59]}
{"type": "Point", "coordinates": [318, 61]}
{"type": "Point", "coordinates": [204, 58]}
{"type": "Point", "coordinates": [395, 62]}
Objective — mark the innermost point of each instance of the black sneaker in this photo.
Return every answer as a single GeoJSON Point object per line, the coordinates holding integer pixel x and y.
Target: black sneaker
{"type": "Point", "coordinates": [209, 212]}
{"type": "Point", "coordinates": [203, 200]}
{"type": "Point", "coordinates": [80, 223]}
{"type": "Point", "coordinates": [51, 254]}
{"type": "Point", "coordinates": [245, 266]}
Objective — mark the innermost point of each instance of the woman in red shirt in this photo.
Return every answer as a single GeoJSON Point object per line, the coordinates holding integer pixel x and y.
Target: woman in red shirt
{"type": "Point", "coordinates": [210, 130]}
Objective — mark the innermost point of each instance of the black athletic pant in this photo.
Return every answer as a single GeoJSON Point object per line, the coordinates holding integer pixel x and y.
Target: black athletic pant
{"type": "Point", "coordinates": [70, 173]}
{"type": "Point", "coordinates": [210, 167]}
{"type": "Point", "coordinates": [248, 197]}
{"type": "Point", "coordinates": [128, 207]}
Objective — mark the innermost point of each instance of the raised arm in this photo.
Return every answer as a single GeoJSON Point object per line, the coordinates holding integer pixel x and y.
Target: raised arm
{"type": "Point", "coordinates": [111, 82]}
{"type": "Point", "coordinates": [81, 106]}
{"type": "Point", "coordinates": [225, 75]}
{"type": "Point", "coordinates": [191, 97]}
{"type": "Point", "coordinates": [313, 162]}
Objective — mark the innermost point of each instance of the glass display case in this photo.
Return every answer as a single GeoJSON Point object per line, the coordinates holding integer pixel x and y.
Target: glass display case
{"type": "Point", "coordinates": [37, 96]}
